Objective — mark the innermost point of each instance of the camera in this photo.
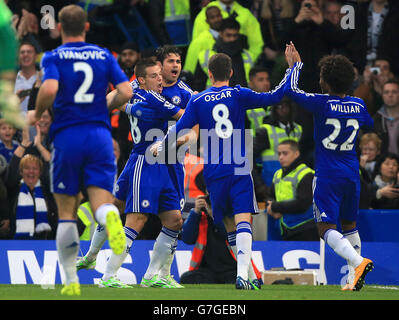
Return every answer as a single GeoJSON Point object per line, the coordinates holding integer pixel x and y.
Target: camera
{"type": "Point", "coordinates": [308, 5]}
{"type": "Point", "coordinates": [375, 70]}
{"type": "Point", "coordinates": [25, 93]}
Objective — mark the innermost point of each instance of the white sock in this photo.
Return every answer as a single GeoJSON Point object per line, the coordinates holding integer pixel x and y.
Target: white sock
{"type": "Point", "coordinates": [231, 237]}
{"type": "Point", "coordinates": [97, 242]}
{"type": "Point", "coordinates": [244, 249]}
{"type": "Point", "coordinates": [67, 241]}
{"type": "Point", "coordinates": [342, 247]}
{"type": "Point", "coordinates": [354, 239]}
{"type": "Point", "coordinates": [165, 269]}
{"type": "Point", "coordinates": [115, 261]}
{"type": "Point", "coordinates": [163, 248]}
{"type": "Point", "coordinates": [102, 211]}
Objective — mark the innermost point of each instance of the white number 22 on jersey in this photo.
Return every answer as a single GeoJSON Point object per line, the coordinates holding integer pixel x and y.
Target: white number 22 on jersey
{"type": "Point", "coordinates": [347, 145]}
{"type": "Point", "coordinates": [81, 96]}
{"type": "Point", "coordinates": [222, 121]}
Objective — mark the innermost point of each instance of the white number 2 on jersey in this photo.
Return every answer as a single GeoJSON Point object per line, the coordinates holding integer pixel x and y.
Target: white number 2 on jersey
{"type": "Point", "coordinates": [222, 121]}
{"type": "Point", "coordinates": [81, 96]}
{"type": "Point", "coordinates": [347, 145]}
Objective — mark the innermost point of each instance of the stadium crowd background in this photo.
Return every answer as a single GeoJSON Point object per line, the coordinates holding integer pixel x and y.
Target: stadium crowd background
{"type": "Point", "coordinates": [134, 28]}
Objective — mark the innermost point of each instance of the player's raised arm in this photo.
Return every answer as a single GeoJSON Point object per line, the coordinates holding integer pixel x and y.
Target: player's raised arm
{"type": "Point", "coordinates": [120, 96]}
{"type": "Point", "coordinates": [309, 101]}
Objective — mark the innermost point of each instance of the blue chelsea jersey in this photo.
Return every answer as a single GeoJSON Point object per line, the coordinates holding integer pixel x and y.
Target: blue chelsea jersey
{"type": "Point", "coordinates": [220, 111]}
{"type": "Point", "coordinates": [158, 111]}
{"type": "Point", "coordinates": [179, 94]}
{"type": "Point", "coordinates": [336, 126]}
{"type": "Point", "coordinates": [83, 72]}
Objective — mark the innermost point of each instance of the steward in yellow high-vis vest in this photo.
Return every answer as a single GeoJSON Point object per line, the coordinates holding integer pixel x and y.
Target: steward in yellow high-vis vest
{"type": "Point", "coordinates": [249, 25]}
{"type": "Point", "coordinates": [177, 21]}
{"type": "Point", "coordinates": [205, 40]}
{"type": "Point", "coordinates": [292, 193]}
{"type": "Point", "coordinates": [86, 216]}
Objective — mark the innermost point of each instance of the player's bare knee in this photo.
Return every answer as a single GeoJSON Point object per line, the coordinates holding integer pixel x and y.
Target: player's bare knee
{"type": "Point", "coordinates": [172, 220]}
{"type": "Point", "coordinates": [322, 227]}
{"type": "Point", "coordinates": [136, 221]}
{"type": "Point", "coordinates": [348, 225]}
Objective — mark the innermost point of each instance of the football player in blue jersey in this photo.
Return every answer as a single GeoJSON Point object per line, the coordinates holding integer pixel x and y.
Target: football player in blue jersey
{"type": "Point", "coordinates": [336, 185]}
{"type": "Point", "coordinates": [178, 93]}
{"type": "Point", "coordinates": [145, 186]}
{"type": "Point", "coordinates": [75, 80]}
{"type": "Point", "coordinates": [220, 113]}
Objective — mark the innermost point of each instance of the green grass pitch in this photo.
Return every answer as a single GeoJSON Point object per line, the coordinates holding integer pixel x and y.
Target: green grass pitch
{"type": "Point", "coordinates": [203, 292]}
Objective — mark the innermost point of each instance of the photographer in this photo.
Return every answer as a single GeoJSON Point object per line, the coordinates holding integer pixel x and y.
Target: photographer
{"type": "Point", "coordinates": [211, 261]}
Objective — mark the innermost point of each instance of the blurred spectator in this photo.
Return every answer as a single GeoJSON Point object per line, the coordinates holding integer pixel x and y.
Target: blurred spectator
{"type": "Point", "coordinates": [34, 214]}
{"type": "Point", "coordinates": [384, 191]}
{"type": "Point", "coordinates": [231, 43]}
{"type": "Point", "coordinates": [170, 21]}
{"type": "Point", "coordinates": [128, 57]}
{"type": "Point", "coordinates": [276, 128]}
{"type": "Point", "coordinates": [275, 17]}
{"type": "Point", "coordinates": [314, 37]}
{"type": "Point", "coordinates": [27, 75]}
{"type": "Point", "coordinates": [375, 34]}
{"type": "Point", "coordinates": [386, 120]}
{"type": "Point", "coordinates": [370, 150]}
{"type": "Point", "coordinates": [8, 144]}
{"type": "Point", "coordinates": [249, 25]}
{"type": "Point", "coordinates": [292, 195]}
{"type": "Point", "coordinates": [259, 81]}
{"type": "Point", "coordinates": [130, 54]}
{"type": "Point", "coordinates": [205, 40]}
{"type": "Point", "coordinates": [373, 80]}
{"type": "Point", "coordinates": [27, 26]}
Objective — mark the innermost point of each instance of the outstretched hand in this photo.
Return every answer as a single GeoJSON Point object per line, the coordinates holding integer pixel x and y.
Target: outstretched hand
{"type": "Point", "coordinates": [292, 55]}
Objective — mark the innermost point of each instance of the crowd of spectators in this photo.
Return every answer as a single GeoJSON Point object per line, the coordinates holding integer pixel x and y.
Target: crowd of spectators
{"type": "Point", "coordinates": [254, 34]}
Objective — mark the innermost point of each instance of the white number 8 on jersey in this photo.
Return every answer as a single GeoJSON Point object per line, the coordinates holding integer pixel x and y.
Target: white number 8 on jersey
{"type": "Point", "coordinates": [222, 120]}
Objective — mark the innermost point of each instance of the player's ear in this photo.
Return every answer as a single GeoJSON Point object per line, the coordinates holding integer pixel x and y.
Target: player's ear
{"type": "Point", "coordinates": [87, 27]}
{"type": "Point", "coordinates": [231, 73]}
{"type": "Point", "coordinates": [58, 27]}
{"type": "Point", "coordinates": [210, 75]}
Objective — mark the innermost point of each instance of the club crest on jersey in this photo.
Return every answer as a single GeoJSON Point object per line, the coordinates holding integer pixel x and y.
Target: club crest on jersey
{"type": "Point", "coordinates": [145, 203]}
{"type": "Point", "coordinates": [176, 100]}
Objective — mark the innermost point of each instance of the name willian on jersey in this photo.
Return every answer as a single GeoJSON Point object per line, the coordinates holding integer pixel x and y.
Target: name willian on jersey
{"type": "Point", "coordinates": [345, 108]}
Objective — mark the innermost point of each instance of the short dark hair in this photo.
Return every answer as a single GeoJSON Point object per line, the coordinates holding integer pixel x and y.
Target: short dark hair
{"type": "Point", "coordinates": [229, 23]}
{"type": "Point", "coordinates": [338, 72]}
{"type": "Point", "coordinates": [166, 50]}
{"type": "Point", "coordinates": [255, 70]}
{"type": "Point", "coordinates": [291, 143]}
{"type": "Point", "coordinates": [27, 42]}
{"type": "Point", "coordinates": [392, 81]}
{"type": "Point", "coordinates": [73, 19]}
{"type": "Point", "coordinates": [142, 65]}
{"type": "Point", "coordinates": [220, 66]}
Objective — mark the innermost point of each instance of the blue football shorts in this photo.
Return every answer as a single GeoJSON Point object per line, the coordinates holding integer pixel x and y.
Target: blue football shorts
{"type": "Point", "coordinates": [146, 188]}
{"type": "Point", "coordinates": [176, 172]}
{"type": "Point", "coordinates": [82, 156]}
{"type": "Point", "coordinates": [335, 198]}
{"type": "Point", "coordinates": [231, 195]}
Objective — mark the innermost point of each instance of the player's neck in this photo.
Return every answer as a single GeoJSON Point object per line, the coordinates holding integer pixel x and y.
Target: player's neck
{"type": "Point", "coordinates": [219, 84]}
{"type": "Point", "coordinates": [66, 39]}
{"type": "Point", "coordinates": [341, 95]}
{"type": "Point", "coordinates": [168, 83]}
